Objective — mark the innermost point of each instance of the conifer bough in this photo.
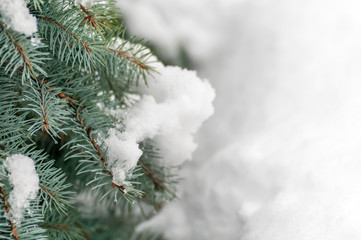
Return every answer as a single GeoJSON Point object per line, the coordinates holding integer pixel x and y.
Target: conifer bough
{"type": "Point", "coordinates": [82, 126]}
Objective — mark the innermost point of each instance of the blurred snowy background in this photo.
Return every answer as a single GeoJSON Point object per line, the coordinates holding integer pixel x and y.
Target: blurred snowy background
{"type": "Point", "coordinates": [281, 157]}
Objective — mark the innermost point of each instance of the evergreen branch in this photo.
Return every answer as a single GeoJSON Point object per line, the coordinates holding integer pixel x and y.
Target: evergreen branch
{"type": "Point", "coordinates": [102, 50]}
{"type": "Point", "coordinates": [130, 59]}
{"type": "Point", "coordinates": [128, 62]}
{"type": "Point", "coordinates": [55, 226]}
{"type": "Point", "coordinates": [157, 182]}
{"type": "Point", "coordinates": [92, 140]}
{"type": "Point", "coordinates": [87, 49]}
{"type": "Point", "coordinates": [20, 50]}
{"type": "Point", "coordinates": [83, 232]}
{"type": "Point", "coordinates": [18, 54]}
{"type": "Point", "coordinates": [158, 179]}
{"type": "Point", "coordinates": [127, 191]}
{"type": "Point", "coordinates": [88, 46]}
{"type": "Point", "coordinates": [42, 103]}
{"type": "Point", "coordinates": [29, 228]}
{"type": "Point", "coordinates": [48, 112]}
{"type": "Point", "coordinates": [36, 3]}
{"type": "Point", "coordinates": [13, 131]}
{"type": "Point", "coordinates": [5, 64]}
{"type": "Point", "coordinates": [101, 16]}
{"type": "Point", "coordinates": [72, 47]}
{"type": "Point", "coordinates": [63, 227]}
{"type": "Point", "coordinates": [55, 191]}
{"type": "Point", "coordinates": [47, 191]}
{"type": "Point", "coordinates": [90, 63]}
{"type": "Point", "coordinates": [89, 18]}
{"type": "Point", "coordinates": [97, 149]}
{"type": "Point", "coordinates": [55, 186]}
{"type": "Point", "coordinates": [51, 20]}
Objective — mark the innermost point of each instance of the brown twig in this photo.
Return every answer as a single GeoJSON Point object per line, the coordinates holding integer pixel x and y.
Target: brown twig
{"type": "Point", "coordinates": [45, 120]}
{"type": "Point", "coordinates": [89, 17]}
{"type": "Point", "coordinates": [67, 31]}
{"type": "Point", "coordinates": [85, 234]}
{"type": "Point", "coordinates": [88, 130]}
{"type": "Point", "coordinates": [92, 140]}
{"type": "Point", "coordinates": [48, 191]}
{"type": "Point", "coordinates": [69, 99]}
{"type": "Point", "coordinates": [158, 183]}
{"type": "Point", "coordinates": [7, 209]}
{"type": "Point", "coordinates": [55, 226]}
{"type": "Point", "coordinates": [129, 58]}
{"type": "Point", "coordinates": [18, 48]}
{"type": "Point", "coordinates": [97, 149]}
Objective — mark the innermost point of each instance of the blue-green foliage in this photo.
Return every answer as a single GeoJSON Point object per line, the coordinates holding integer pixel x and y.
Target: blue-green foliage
{"type": "Point", "coordinates": [50, 90]}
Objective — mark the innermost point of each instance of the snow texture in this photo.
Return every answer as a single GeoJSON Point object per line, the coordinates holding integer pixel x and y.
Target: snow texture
{"type": "Point", "coordinates": [17, 16]}
{"type": "Point", "coordinates": [170, 111]}
{"type": "Point", "coordinates": [280, 159]}
{"type": "Point", "coordinates": [25, 182]}
{"type": "Point", "coordinates": [194, 32]}
{"type": "Point", "coordinates": [123, 154]}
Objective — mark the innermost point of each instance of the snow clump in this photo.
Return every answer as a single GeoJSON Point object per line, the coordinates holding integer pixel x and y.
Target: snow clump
{"type": "Point", "coordinates": [170, 111]}
{"type": "Point", "coordinates": [25, 182]}
{"type": "Point", "coordinates": [17, 16]}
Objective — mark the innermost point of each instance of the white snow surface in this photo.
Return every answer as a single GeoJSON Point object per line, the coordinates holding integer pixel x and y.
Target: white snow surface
{"type": "Point", "coordinates": [172, 24]}
{"type": "Point", "coordinates": [17, 16]}
{"type": "Point", "coordinates": [25, 183]}
{"type": "Point", "coordinates": [170, 111]}
{"type": "Point", "coordinates": [123, 154]}
{"type": "Point", "coordinates": [280, 159]}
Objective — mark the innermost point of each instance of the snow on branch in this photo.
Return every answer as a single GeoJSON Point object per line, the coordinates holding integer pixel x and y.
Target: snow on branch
{"type": "Point", "coordinates": [170, 111]}
{"type": "Point", "coordinates": [25, 182]}
{"type": "Point", "coordinates": [17, 16]}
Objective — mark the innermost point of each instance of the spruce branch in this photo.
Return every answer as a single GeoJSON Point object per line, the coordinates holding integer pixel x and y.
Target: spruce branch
{"type": "Point", "coordinates": [67, 46]}
{"type": "Point", "coordinates": [20, 50]}
{"type": "Point", "coordinates": [54, 96]}
{"type": "Point", "coordinates": [36, 4]}
{"type": "Point", "coordinates": [63, 227]}
{"type": "Point", "coordinates": [157, 182]}
{"type": "Point", "coordinates": [83, 232]}
{"type": "Point", "coordinates": [127, 191]}
{"type": "Point", "coordinates": [46, 112]}
{"type": "Point", "coordinates": [47, 191]}
{"type": "Point", "coordinates": [55, 226]}
{"type": "Point", "coordinates": [29, 228]}
{"type": "Point", "coordinates": [96, 147]}
{"type": "Point", "coordinates": [88, 18]}
{"type": "Point", "coordinates": [13, 131]}
{"type": "Point", "coordinates": [65, 30]}
{"type": "Point", "coordinates": [55, 191]}
{"type": "Point", "coordinates": [131, 59]}
{"type": "Point", "coordinates": [18, 54]}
